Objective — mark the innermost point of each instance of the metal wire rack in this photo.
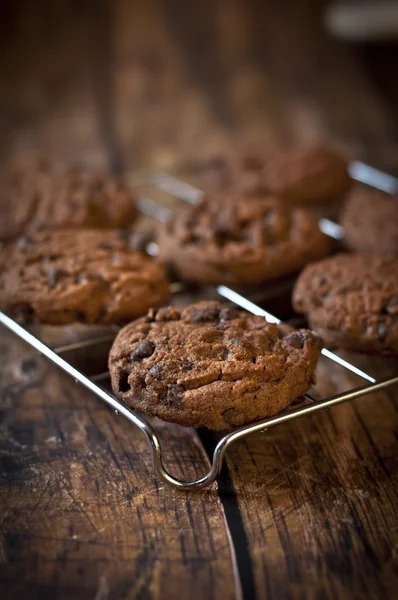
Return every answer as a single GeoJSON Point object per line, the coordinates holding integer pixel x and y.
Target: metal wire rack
{"type": "Point", "coordinates": [184, 191]}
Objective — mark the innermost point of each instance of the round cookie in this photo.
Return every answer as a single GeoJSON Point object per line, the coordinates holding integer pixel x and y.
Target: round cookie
{"type": "Point", "coordinates": [370, 221]}
{"type": "Point", "coordinates": [88, 275]}
{"type": "Point", "coordinates": [300, 176]}
{"type": "Point", "coordinates": [351, 300]}
{"type": "Point", "coordinates": [46, 196]}
{"type": "Point", "coordinates": [235, 240]}
{"type": "Point", "coordinates": [206, 365]}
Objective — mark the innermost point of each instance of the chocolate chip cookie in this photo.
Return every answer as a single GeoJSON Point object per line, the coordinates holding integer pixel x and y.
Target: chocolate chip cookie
{"type": "Point", "coordinates": [206, 365]}
{"type": "Point", "coordinates": [87, 275]}
{"type": "Point", "coordinates": [300, 176]}
{"type": "Point", "coordinates": [240, 241]}
{"type": "Point", "coordinates": [352, 301]}
{"type": "Point", "coordinates": [45, 196]}
{"type": "Point", "coordinates": [370, 221]}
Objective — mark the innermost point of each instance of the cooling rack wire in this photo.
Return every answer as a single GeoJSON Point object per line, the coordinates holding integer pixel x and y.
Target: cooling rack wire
{"type": "Point", "coordinates": [185, 192]}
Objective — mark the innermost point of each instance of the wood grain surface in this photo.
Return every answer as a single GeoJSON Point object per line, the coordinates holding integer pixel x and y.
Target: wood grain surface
{"type": "Point", "coordinates": [307, 510]}
{"type": "Point", "coordinates": [318, 496]}
{"type": "Point", "coordinates": [82, 512]}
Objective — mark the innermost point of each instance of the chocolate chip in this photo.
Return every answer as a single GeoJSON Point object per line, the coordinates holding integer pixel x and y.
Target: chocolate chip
{"type": "Point", "coordinates": [156, 370]}
{"type": "Point", "coordinates": [231, 416]}
{"type": "Point", "coordinates": [228, 314]}
{"type": "Point", "coordinates": [192, 238]}
{"type": "Point", "coordinates": [82, 277]}
{"type": "Point", "coordinates": [223, 354]}
{"type": "Point", "coordinates": [122, 234]}
{"type": "Point", "coordinates": [268, 217]}
{"type": "Point", "coordinates": [143, 350]}
{"type": "Point", "coordinates": [296, 339]}
{"type": "Point", "coordinates": [175, 402]}
{"type": "Point", "coordinates": [167, 313]}
{"type": "Point", "coordinates": [188, 365]}
{"type": "Point", "coordinates": [222, 234]}
{"type": "Point", "coordinates": [175, 395]}
{"type": "Point", "coordinates": [392, 306]}
{"type": "Point", "coordinates": [29, 365]}
{"type": "Point", "coordinates": [239, 342]}
{"type": "Point", "coordinates": [23, 313]}
{"type": "Point", "coordinates": [106, 245]}
{"type": "Point", "coordinates": [382, 330]}
{"type": "Point", "coordinates": [81, 316]}
{"type": "Point", "coordinates": [365, 330]}
{"type": "Point", "coordinates": [24, 242]}
{"type": "Point", "coordinates": [204, 315]}
{"type": "Point", "coordinates": [139, 241]}
{"type": "Point", "coordinates": [54, 276]}
{"type": "Point", "coordinates": [151, 315]}
{"type": "Point", "coordinates": [37, 224]}
{"type": "Point", "coordinates": [176, 390]}
{"type": "Point", "coordinates": [189, 220]}
{"type": "Point", "coordinates": [50, 258]}
{"type": "Point", "coordinates": [160, 390]}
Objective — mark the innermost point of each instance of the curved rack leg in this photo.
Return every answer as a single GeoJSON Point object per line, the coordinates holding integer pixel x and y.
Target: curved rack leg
{"type": "Point", "coordinates": [149, 432]}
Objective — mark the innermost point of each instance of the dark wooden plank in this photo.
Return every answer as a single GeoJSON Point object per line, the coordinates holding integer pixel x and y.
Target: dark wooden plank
{"type": "Point", "coordinates": [185, 85]}
{"type": "Point", "coordinates": [82, 512]}
{"type": "Point", "coordinates": [48, 81]}
{"type": "Point", "coordinates": [318, 498]}
{"type": "Point", "coordinates": [264, 73]}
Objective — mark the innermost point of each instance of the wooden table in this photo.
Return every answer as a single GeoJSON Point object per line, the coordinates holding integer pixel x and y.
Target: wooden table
{"type": "Point", "coordinates": [308, 510]}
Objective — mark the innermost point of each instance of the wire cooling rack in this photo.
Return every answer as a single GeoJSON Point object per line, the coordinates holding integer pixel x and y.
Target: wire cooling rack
{"type": "Point", "coordinates": [183, 191]}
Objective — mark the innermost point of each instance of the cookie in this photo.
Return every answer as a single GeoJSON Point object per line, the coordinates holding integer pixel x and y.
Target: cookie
{"type": "Point", "coordinates": [351, 300]}
{"type": "Point", "coordinates": [47, 196]}
{"type": "Point", "coordinates": [207, 365]}
{"type": "Point", "coordinates": [88, 275]}
{"type": "Point", "coordinates": [370, 221]}
{"type": "Point", "coordinates": [234, 240]}
{"type": "Point", "coordinates": [300, 176]}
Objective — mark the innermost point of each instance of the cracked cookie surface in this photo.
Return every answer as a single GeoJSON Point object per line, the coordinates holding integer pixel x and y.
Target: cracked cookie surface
{"type": "Point", "coordinates": [54, 196]}
{"type": "Point", "coordinates": [207, 365]}
{"type": "Point", "coordinates": [351, 300]}
{"type": "Point", "coordinates": [87, 275]}
{"type": "Point", "coordinates": [240, 241]}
